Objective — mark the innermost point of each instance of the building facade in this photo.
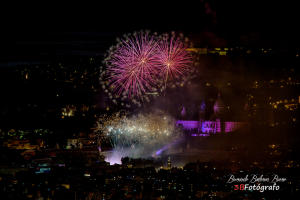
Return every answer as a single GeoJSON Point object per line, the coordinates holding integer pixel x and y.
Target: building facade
{"type": "Point", "coordinates": [216, 124]}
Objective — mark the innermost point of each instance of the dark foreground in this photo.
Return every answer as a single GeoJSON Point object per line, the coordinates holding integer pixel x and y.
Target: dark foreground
{"type": "Point", "coordinates": [83, 174]}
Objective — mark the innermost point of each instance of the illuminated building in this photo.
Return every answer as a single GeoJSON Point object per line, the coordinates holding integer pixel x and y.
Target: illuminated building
{"type": "Point", "coordinates": [169, 163]}
{"type": "Point", "coordinates": [217, 124]}
{"type": "Point", "coordinates": [68, 111]}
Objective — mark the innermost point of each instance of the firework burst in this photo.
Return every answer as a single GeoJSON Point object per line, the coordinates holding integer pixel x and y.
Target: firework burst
{"type": "Point", "coordinates": [174, 59]}
{"type": "Point", "coordinates": [142, 65]}
{"type": "Point", "coordinates": [133, 65]}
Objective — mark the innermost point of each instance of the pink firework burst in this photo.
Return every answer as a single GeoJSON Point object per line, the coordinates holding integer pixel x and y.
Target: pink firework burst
{"type": "Point", "coordinates": [174, 60]}
{"type": "Point", "coordinates": [133, 65]}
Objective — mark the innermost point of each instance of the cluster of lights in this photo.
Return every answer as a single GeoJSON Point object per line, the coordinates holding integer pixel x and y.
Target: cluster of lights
{"type": "Point", "coordinates": [288, 104]}
{"type": "Point", "coordinates": [266, 51]}
{"type": "Point", "coordinates": [68, 111]}
{"type": "Point", "coordinates": [226, 50]}
{"type": "Point", "coordinates": [276, 83]}
{"type": "Point", "coordinates": [208, 84]}
{"type": "Point", "coordinates": [22, 134]}
{"type": "Point", "coordinates": [78, 75]}
{"type": "Point", "coordinates": [212, 51]}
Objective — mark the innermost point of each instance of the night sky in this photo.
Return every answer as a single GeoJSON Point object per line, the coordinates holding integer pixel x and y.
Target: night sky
{"type": "Point", "coordinates": [58, 108]}
{"type": "Point", "coordinates": [53, 33]}
{"type": "Point", "coordinates": [51, 30]}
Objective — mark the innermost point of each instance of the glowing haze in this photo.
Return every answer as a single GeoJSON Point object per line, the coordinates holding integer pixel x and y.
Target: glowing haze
{"type": "Point", "coordinates": [139, 136]}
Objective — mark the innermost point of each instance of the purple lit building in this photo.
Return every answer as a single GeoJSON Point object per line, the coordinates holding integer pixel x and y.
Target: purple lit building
{"type": "Point", "coordinates": [205, 127]}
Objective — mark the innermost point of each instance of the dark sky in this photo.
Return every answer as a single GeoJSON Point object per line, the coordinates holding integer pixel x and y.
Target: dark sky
{"type": "Point", "coordinates": [27, 30]}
